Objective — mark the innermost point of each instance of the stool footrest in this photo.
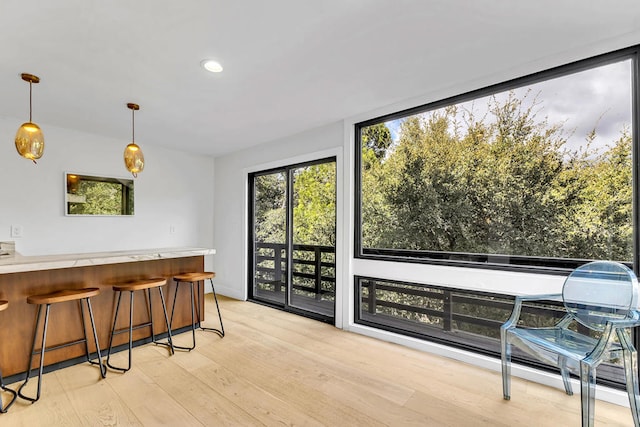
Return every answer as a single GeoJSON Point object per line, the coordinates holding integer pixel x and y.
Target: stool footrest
{"type": "Point", "coordinates": [192, 279]}
{"type": "Point", "coordinates": [59, 346]}
{"type": "Point", "coordinates": [126, 330]}
{"type": "Point", "coordinates": [45, 301]}
{"type": "Point", "coordinates": [131, 287]}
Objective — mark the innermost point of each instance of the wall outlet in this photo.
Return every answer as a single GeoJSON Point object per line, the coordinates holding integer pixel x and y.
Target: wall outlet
{"type": "Point", "coordinates": [172, 229]}
{"type": "Point", "coordinates": [16, 231]}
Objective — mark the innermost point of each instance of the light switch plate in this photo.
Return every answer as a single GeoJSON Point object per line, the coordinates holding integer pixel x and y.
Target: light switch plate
{"type": "Point", "coordinates": [16, 231]}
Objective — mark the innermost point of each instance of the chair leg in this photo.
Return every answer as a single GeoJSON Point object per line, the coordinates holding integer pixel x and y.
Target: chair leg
{"type": "Point", "coordinates": [566, 378]}
{"type": "Point", "coordinates": [588, 393]}
{"type": "Point", "coordinates": [630, 357]}
{"type": "Point", "coordinates": [14, 394]}
{"type": "Point", "coordinates": [506, 364]}
{"type": "Point", "coordinates": [33, 351]}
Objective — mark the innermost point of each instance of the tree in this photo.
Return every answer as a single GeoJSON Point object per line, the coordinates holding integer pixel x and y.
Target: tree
{"type": "Point", "coordinates": [376, 138]}
{"type": "Point", "coordinates": [270, 207]}
{"type": "Point", "coordinates": [500, 184]}
{"type": "Point", "coordinates": [314, 205]}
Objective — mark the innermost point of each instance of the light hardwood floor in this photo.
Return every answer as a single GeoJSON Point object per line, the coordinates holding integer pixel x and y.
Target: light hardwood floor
{"type": "Point", "coordinates": [275, 368]}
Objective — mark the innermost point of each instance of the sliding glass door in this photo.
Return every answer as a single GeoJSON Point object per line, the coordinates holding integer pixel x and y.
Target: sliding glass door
{"type": "Point", "coordinates": [292, 238]}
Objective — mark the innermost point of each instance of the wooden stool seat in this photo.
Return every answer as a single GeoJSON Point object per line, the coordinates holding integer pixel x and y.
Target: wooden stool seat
{"type": "Point", "coordinates": [139, 285]}
{"type": "Point", "coordinates": [45, 301]}
{"type": "Point", "coordinates": [131, 287]}
{"type": "Point", "coordinates": [4, 304]}
{"type": "Point", "coordinates": [63, 295]}
{"type": "Point", "coordinates": [194, 277]}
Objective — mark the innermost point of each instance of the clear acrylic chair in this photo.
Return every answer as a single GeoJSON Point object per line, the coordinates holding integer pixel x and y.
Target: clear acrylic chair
{"type": "Point", "coordinates": [601, 296]}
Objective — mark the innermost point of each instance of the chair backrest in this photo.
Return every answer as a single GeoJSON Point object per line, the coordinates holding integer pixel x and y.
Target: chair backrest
{"type": "Point", "coordinates": [600, 291]}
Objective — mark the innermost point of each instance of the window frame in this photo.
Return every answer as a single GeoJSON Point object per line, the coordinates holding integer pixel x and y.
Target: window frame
{"type": "Point", "coordinates": [528, 264]}
{"type": "Point", "coordinates": [613, 376]}
{"type": "Point", "coordinates": [251, 255]}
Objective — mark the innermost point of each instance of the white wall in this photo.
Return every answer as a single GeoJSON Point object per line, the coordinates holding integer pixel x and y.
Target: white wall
{"type": "Point", "coordinates": [175, 189]}
{"type": "Point", "coordinates": [231, 196]}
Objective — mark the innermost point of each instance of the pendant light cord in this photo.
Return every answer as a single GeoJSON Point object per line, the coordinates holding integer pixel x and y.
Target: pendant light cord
{"type": "Point", "coordinates": [30, 92]}
{"type": "Point", "coordinates": [133, 125]}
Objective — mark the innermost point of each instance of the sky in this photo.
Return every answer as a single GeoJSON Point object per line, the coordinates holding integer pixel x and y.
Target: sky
{"type": "Point", "coordinates": [599, 97]}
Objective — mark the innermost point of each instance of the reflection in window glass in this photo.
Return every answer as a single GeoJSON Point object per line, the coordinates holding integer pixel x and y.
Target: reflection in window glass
{"type": "Point", "coordinates": [93, 195]}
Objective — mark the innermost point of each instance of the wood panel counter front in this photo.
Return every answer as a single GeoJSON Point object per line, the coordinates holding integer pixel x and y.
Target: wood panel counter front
{"type": "Point", "coordinates": [41, 275]}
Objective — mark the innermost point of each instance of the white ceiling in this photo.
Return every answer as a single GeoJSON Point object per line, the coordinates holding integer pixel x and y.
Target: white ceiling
{"type": "Point", "coordinates": [289, 65]}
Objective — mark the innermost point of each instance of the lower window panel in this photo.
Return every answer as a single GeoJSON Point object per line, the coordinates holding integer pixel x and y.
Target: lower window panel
{"type": "Point", "coordinates": [464, 319]}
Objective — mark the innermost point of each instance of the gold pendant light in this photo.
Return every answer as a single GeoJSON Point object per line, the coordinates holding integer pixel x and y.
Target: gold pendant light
{"type": "Point", "coordinates": [133, 157]}
{"type": "Point", "coordinates": [29, 138]}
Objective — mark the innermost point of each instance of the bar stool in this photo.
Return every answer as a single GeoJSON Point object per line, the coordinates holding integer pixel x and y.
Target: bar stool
{"type": "Point", "coordinates": [46, 300]}
{"type": "Point", "coordinates": [193, 278]}
{"type": "Point", "coordinates": [3, 306]}
{"type": "Point", "coordinates": [131, 287]}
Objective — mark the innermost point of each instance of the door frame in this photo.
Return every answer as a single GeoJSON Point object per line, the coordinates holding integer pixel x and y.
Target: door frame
{"type": "Point", "coordinates": [341, 300]}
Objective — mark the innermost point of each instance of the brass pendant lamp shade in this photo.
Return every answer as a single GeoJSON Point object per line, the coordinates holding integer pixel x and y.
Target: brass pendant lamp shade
{"type": "Point", "coordinates": [29, 138]}
{"type": "Point", "coordinates": [133, 157]}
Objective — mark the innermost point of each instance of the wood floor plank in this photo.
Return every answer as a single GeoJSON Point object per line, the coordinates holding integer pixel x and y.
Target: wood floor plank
{"type": "Point", "coordinates": [472, 389]}
{"type": "Point", "coordinates": [147, 401]}
{"type": "Point", "coordinates": [53, 409]}
{"type": "Point", "coordinates": [285, 382]}
{"type": "Point", "coordinates": [308, 366]}
{"type": "Point", "coordinates": [204, 402]}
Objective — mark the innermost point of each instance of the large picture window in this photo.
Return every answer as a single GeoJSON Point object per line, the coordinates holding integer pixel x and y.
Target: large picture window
{"type": "Point", "coordinates": [534, 173]}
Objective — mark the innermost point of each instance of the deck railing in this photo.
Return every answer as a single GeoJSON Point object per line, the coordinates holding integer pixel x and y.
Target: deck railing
{"type": "Point", "coordinates": [462, 318]}
{"type": "Point", "coordinates": [313, 272]}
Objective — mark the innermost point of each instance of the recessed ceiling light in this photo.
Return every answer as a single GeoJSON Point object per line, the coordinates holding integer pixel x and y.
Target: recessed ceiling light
{"type": "Point", "coordinates": [211, 65]}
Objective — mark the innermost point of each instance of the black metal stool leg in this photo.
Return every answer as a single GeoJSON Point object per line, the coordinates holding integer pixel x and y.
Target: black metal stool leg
{"type": "Point", "coordinates": [218, 331]}
{"type": "Point", "coordinates": [129, 330]}
{"type": "Point", "coordinates": [173, 306]}
{"type": "Point", "coordinates": [131, 298]}
{"type": "Point", "coordinates": [193, 318]}
{"type": "Point", "coordinates": [150, 307]}
{"type": "Point", "coordinates": [133, 287]}
{"type": "Point", "coordinates": [215, 297]}
{"type": "Point", "coordinates": [4, 409]}
{"type": "Point", "coordinates": [195, 312]}
{"type": "Point", "coordinates": [103, 368]}
{"type": "Point", "coordinates": [33, 352]}
{"type": "Point", "coordinates": [166, 319]}
{"type": "Point", "coordinates": [113, 330]}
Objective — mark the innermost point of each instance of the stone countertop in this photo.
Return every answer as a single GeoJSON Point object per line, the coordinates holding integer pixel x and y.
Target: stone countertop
{"type": "Point", "coordinates": [18, 263]}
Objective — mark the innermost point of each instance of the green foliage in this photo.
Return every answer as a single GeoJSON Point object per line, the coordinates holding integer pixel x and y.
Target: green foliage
{"type": "Point", "coordinates": [314, 205]}
{"type": "Point", "coordinates": [377, 139]}
{"type": "Point", "coordinates": [504, 184]}
{"type": "Point", "coordinates": [100, 198]}
{"type": "Point", "coordinates": [270, 207]}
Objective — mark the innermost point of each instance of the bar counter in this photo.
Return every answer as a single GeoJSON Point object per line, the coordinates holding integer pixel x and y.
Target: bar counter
{"type": "Point", "coordinates": [21, 276]}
